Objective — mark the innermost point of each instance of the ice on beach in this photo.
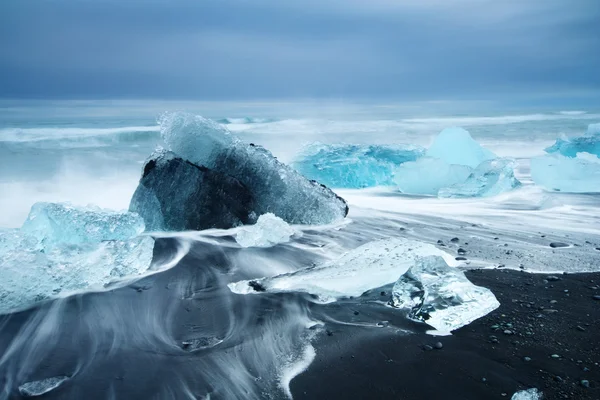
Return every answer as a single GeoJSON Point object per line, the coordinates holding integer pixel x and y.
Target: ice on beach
{"type": "Point", "coordinates": [352, 165]}
{"type": "Point", "coordinates": [456, 146]}
{"type": "Point", "coordinates": [490, 178]}
{"type": "Point", "coordinates": [440, 295]}
{"type": "Point", "coordinates": [38, 388]}
{"type": "Point", "coordinates": [427, 176]}
{"type": "Point", "coordinates": [276, 187]}
{"type": "Point", "coordinates": [529, 394]}
{"type": "Point", "coordinates": [580, 174]}
{"type": "Point", "coordinates": [369, 266]}
{"type": "Point", "coordinates": [52, 223]}
{"type": "Point", "coordinates": [588, 143]}
{"type": "Point", "coordinates": [268, 231]}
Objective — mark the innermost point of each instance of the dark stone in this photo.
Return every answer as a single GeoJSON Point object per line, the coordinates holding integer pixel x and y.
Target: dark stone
{"type": "Point", "coordinates": [454, 240]}
{"type": "Point", "coordinates": [461, 251]}
{"type": "Point", "coordinates": [460, 258]}
{"type": "Point", "coordinates": [257, 286]}
{"type": "Point", "coordinates": [555, 245]}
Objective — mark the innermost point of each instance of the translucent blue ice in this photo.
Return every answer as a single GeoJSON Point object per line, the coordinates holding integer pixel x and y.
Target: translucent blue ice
{"type": "Point", "coordinates": [353, 166]}
{"type": "Point", "coordinates": [64, 223]}
{"type": "Point", "coordinates": [490, 178]}
{"type": "Point", "coordinates": [580, 174]}
{"type": "Point", "coordinates": [440, 295]}
{"type": "Point", "coordinates": [268, 231]}
{"type": "Point", "coordinates": [428, 175]}
{"type": "Point", "coordinates": [276, 187]}
{"type": "Point", "coordinates": [588, 143]}
{"type": "Point", "coordinates": [456, 146]}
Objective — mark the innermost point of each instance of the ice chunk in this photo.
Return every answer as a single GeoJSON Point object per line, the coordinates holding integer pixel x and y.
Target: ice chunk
{"type": "Point", "coordinates": [589, 143]}
{"type": "Point", "coordinates": [490, 178]}
{"type": "Point", "coordinates": [268, 231]}
{"type": "Point", "coordinates": [557, 172]}
{"type": "Point", "coordinates": [529, 394]}
{"type": "Point", "coordinates": [176, 195]}
{"type": "Point", "coordinates": [276, 187]}
{"type": "Point", "coordinates": [456, 146]}
{"type": "Point", "coordinates": [31, 274]}
{"type": "Point", "coordinates": [440, 295]}
{"type": "Point", "coordinates": [52, 223]}
{"type": "Point", "coordinates": [428, 175]}
{"type": "Point", "coordinates": [38, 388]}
{"type": "Point", "coordinates": [354, 166]}
{"type": "Point", "coordinates": [369, 266]}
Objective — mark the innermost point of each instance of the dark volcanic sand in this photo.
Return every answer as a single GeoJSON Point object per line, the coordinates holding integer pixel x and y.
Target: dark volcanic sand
{"type": "Point", "coordinates": [355, 363]}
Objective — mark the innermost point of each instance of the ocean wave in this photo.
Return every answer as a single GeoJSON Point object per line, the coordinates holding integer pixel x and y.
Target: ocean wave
{"type": "Point", "coordinates": [126, 133]}
{"type": "Point", "coordinates": [502, 119]}
{"type": "Point", "coordinates": [245, 120]}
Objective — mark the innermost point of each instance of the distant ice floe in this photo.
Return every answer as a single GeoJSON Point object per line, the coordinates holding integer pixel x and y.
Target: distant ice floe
{"type": "Point", "coordinates": [268, 231]}
{"type": "Point", "coordinates": [62, 248]}
{"type": "Point", "coordinates": [441, 296]}
{"type": "Point", "coordinates": [353, 165]}
{"type": "Point", "coordinates": [571, 165]}
{"type": "Point", "coordinates": [369, 266]}
{"type": "Point", "coordinates": [529, 394]}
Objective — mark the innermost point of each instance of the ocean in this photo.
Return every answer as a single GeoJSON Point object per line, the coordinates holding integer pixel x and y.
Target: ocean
{"type": "Point", "coordinates": [112, 342]}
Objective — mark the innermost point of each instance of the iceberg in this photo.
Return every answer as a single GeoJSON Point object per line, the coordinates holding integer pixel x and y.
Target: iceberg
{"type": "Point", "coordinates": [369, 266]}
{"type": "Point", "coordinates": [529, 394]}
{"type": "Point", "coordinates": [270, 186]}
{"type": "Point", "coordinates": [580, 174]}
{"type": "Point", "coordinates": [427, 176]}
{"type": "Point", "coordinates": [38, 388]}
{"type": "Point", "coordinates": [490, 178]}
{"type": "Point", "coordinates": [63, 249]}
{"type": "Point", "coordinates": [588, 143]}
{"type": "Point", "coordinates": [354, 166]}
{"type": "Point", "coordinates": [176, 195]}
{"type": "Point", "coordinates": [456, 146]}
{"type": "Point", "coordinates": [53, 223]}
{"type": "Point", "coordinates": [440, 295]}
{"type": "Point", "coordinates": [268, 231]}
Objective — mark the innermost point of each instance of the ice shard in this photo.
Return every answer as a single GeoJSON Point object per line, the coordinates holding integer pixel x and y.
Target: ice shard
{"type": "Point", "coordinates": [369, 266]}
{"type": "Point", "coordinates": [38, 388]}
{"type": "Point", "coordinates": [268, 231]}
{"type": "Point", "coordinates": [580, 174]}
{"type": "Point", "coordinates": [64, 223]}
{"type": "Point", "coordinates": [440, 295]}
{"type": "Point", "coordinates": [352, 165]}
{"type": "Point", "coordinates": [456, 146]}
{"type": "Point", "coordinates": [490, 178]}
{"type": "Point", "coordinates": [588, 143]}
{"type": "Point", "coordinates": [273, 186]}
{"type": "Point", "coordinates": [427, 176]}
{"type": "Point", "coordinates": [177, 195]}
{"type": "Point", "coordinates": [529, 394]}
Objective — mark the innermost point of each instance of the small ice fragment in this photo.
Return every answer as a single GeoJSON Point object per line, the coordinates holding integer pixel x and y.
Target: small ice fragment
{"type": "Point", "coordinates": [38, 388]}
{"type": "Point", "coordinates": [456, 146]}
{"type": "Point", "coordinates": [576, 175]}
{"type": "Point", "coordinates": [427, 176]}
{"type": "Point", "coordinates": [490, 178]}
{"type": "Point", "coordinates": [588, 143]}
{"type": "Point", "coordinates": [441, 296]}
{"type": "Point", "coordinates": [268, 231]}
{"type": "Point", "coordinates": [53, 223]}
{"type": "Point", "coordinates": [369, 266]}
{"type": "Point", "coordinates": [200, 343]}
{"type": "Point", "coordinates": [353, 165]}
{"type": "Point", "coordinates": [529, 394]}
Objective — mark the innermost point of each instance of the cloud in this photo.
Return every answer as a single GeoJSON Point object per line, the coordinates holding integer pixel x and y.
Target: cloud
{"type": "Point", "coordinates": [266, 48]}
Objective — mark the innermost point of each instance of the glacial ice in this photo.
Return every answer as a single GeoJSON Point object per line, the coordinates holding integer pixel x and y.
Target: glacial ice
{"type": "Point", "coordinates": [38, 388]}
{"type": "Point", "coordinates": [369, 266]}
{"type": "Point", "coordinates": [456, 146]}
{"type": "Point", "coordinates": [352, 165]}
{"type": "Point", "coordinates": [588, 143]}
{"type": "Point", "coordinates": [490, 178]}
{"type": "Point", "coordinates": [268, 231]}
{"type": "Point", "coordinates": [427, 176]}
{"type": "Point", "coordinates": [52, 223]}
{"type": "Point", "coordinates": [580, 174]}
{"type": "Point", "coordinates": [276, 187]}
{"type": "Point", "coordinates": [176, 195]}
{"type": "Point", "coordinates": [529, 394]}
{"type": "Point", "coordinates": [62, 249]}
{"type": "Point", "coordinates": [440, 295]}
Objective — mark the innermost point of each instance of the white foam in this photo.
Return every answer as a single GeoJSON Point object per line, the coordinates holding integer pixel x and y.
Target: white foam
{"type": "Point", "coordinates": [57, 133]}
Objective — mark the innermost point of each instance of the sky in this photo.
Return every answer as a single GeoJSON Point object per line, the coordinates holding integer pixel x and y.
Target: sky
{"type": "Point", "coordinates": [254, 49]}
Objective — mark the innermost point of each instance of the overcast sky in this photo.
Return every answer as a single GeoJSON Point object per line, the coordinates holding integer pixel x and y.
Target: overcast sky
{"type": "Point", "coordinates": [228, 49]}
